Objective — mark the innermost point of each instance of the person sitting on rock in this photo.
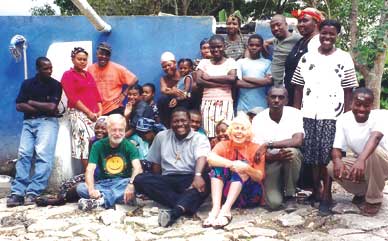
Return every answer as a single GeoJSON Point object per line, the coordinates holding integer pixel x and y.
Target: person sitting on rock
{"type": "Point", "coordinates": [118, 161]}
{"type": "Point", "coordinates": [179, 180]}
{"type": "Point", "coordinates": [280, 128]}
{"type": "Point", "coordinates": [362, 130]}
{"type": "Point", "coordinates": [237, 173]}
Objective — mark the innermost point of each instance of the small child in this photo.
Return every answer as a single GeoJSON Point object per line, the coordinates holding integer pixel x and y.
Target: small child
{"type": "Point", "coordinates": [67, 190]}
{"type": "Point", "coordinates": [221, 134]}
{"type": "Point", "coordinates": [148, 96]}
{"type": "Point", "coordinates": [185, 83]}
{"type": "Point", "coordinates": [136, 108]}
{"type": "Point", "coordinates": [196, 121]}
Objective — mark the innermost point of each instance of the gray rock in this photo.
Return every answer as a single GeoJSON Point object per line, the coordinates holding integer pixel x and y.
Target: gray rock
{"type": "Point", "coordinates": [43, 225]}
{"type": "Point", "coordinates": [348, 207]}
{"type": "Point", "coordinates": [113, 234]}
{"type": "Point", "coordinates": [145, 236]}
{"type": "Point", "coordinates": [289, 220]}
{"type": "Point", "coordinates": [110, 216]}
{"type": "Point", "coordinates": [314, 236]}
{"type": "Point", "coordinates": [59, 234]}
{"type": "Point", "coordinates": [238, 225]}
{"type": "Point", "coordinates": [364, 223]}
{"type": "Point", "coordinates": [146, 223]}
{"type": "Point", "coordinates": [343, 231]}
{"type": "Point", "coordinates": [362, 237]}
{"type": "Point", "coordinates": [255, 231]}
{"type": "Point", "coordinates": [264, 238]}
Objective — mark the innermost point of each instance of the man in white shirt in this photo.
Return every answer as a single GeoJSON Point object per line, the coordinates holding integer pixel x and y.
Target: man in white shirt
{"type": "Point", "coordinates": [280, 128]}
{"type": "Point", "coordinates": [361, 130]}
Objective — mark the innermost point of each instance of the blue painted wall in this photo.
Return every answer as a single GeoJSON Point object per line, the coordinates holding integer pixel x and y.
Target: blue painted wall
{"type": "Point", "coordinates": [137, 44]}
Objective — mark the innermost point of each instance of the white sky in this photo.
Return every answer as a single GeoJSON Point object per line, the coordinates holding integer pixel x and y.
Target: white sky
{"type": "Point", "coordinates": [22, 7]}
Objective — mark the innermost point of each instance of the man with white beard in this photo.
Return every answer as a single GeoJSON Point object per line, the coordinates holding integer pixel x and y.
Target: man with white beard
{"type": "Point", "coordinates": [113, 165]}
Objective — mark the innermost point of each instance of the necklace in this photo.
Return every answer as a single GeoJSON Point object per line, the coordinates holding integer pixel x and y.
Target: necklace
{"type": "Point", "coordinates": [177, 149]}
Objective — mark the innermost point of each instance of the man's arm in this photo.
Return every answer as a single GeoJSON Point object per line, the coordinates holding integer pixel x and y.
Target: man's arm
{"type": "Point", "coordinates": [26, 108]}
{"type": "Point", "coordinates": [259, 82]}
{"type": "Point", "coordinates": [129, 193]}
{"type": "Point", "coordinates": [198, 182]}
{"type": "Point", "coordinates": [89, 180]}
{"type": "Point", "coordinates": [43, 106]}
{"type": "Point", "coordinates": [295, 141]}
{"type": "Point", "coordinates": [357, 171]}
{"type": "Point", "coordinates": [156, 168]}
{"type": "Point", "coordinates": [298, 95]}
{"type": "Point", "coordinates": [338, 166]}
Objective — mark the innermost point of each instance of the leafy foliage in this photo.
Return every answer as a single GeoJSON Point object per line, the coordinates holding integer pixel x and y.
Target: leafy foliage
{"type": "Point", "coordinates": [46, 10]}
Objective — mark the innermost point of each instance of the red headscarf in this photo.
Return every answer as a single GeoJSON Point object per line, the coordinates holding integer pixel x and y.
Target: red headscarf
{"type": "Point", "coordinates": [314, 13]}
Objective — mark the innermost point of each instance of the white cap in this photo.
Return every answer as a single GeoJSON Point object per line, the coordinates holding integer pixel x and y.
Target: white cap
{"type": "Point", "coordinates": [167, 56]}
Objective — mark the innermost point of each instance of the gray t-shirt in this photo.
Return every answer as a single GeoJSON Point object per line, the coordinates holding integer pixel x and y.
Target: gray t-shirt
{"type": "Point", "coordinates": [281, 50]}
{"type": "Point", "coordinates": [178, 156]}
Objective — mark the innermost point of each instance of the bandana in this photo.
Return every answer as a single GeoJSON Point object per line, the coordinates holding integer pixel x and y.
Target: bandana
{"type": "Point", "coordinates": [301, 13]}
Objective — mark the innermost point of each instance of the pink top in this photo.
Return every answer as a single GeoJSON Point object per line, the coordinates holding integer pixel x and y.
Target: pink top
{"type": "Point", "coordinates": [80, 88]}
{"type": "Point", "coordinates": [217, 93]}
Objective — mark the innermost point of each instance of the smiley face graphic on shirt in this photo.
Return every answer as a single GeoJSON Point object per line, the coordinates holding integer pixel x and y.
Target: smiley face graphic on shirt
{"type": "Point", "coordinates": [114, 165]}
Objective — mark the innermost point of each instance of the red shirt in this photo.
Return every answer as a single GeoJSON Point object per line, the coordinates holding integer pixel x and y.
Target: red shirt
{"type": "Point", "coordinates": [80, 88]}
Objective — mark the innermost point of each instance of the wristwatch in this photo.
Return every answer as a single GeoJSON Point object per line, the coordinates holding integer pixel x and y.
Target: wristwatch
{"type": "Point", "coordinates": [198, 174]}
{"type": "Point", "coordinates": [130, 182]}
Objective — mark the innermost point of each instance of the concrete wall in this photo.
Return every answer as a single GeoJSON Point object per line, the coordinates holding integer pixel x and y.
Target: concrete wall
{"type": "Point", "coordinates": [137, 44]}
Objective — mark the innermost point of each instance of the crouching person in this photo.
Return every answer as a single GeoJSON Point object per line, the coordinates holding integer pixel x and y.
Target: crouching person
{"type": "Point", "coordinates": [362, 131]}
{"type": "Point", "coordinates": [178, 179]}
{"type": "Point", "coordinates": [118, 161]}
{"type": "Point", "coordinates": [237, 173]}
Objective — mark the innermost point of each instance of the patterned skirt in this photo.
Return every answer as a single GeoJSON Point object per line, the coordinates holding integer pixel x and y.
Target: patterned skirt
{"type": "Point", "coordinates": [82, 129]}
{"type": "Point", "coordinates": [251, 194]}
{"type": "Point", "coordinates": [318, 141]}
{"type": "Point", "coordinates": [214, 111]}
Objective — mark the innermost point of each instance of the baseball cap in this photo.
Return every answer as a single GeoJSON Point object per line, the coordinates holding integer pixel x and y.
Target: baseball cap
{"type": "Point", "coordinates": [105, 46]}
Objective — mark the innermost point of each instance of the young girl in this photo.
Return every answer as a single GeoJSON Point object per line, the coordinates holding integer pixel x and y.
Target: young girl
{"type": "Point", "coordinates": [254, 76]}
{"type": "Point", "coordinates": [136, 108]}
{"type": "Point", "coordinates": [221, 135]}
{"type": "Point", "coordinates": [217, 75]}
{"type": "Point", "coordinates": [185, 84]}
{"type": "Point", "coordinates": [148, 96]}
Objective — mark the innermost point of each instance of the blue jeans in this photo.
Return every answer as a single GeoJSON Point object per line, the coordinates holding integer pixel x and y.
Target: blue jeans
{"type": "Point", "coordinates": [39, 136]}
{"type": "Point", "coordinates": [112, 189]}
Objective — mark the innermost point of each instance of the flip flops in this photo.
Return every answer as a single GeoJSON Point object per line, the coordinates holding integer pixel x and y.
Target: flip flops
{"type": "Point", "coordinates": [224, 217]}
{"type": "Point", "coordinates": [208, 222]}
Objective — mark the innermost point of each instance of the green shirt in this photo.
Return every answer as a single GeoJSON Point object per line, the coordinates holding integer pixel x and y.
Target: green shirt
{"type": "Point", "coordinates": [113, 162]}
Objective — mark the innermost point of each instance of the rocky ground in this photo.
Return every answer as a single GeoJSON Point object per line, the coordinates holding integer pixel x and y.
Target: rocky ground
{"type": "Point", "coordinates": [140, 223]}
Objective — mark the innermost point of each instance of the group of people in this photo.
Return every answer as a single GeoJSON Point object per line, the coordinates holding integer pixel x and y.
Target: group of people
{"type": "Point", "coordinates": [297, 116]}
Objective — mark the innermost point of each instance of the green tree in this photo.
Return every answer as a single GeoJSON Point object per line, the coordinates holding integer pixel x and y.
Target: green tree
{"type": "Point", "coordinates": [45, 10]}
{"type": "Point", "coordinates": [365, 36]}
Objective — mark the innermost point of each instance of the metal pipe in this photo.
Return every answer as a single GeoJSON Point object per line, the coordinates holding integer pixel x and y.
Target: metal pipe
{"type": "Point", "coordinates": [93, 17]}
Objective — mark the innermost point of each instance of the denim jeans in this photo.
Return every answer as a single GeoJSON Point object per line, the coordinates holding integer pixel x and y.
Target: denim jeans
{"type": "Point", "coordinates": [112, 189]}
{"type": "Point", "coordinates": [38, 136]}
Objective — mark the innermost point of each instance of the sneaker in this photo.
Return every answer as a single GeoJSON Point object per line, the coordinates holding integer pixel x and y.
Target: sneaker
{"type": "Point", "coordinates": [14, 201]}
{"type": "Point", "coordinates": [165, 218]}
{"type": "Point", "coordinates": [29, 200]}
{"type": "Point", "coordinates": [87, 204]}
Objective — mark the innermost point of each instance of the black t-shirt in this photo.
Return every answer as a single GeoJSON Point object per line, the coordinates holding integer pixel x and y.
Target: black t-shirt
{"type": "Point", "coordinates": [49, 91]}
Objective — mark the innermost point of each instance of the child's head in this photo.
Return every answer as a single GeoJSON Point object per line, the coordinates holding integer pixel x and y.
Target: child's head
{"type": "Point", "coordinates": [134, 94]}
{"type": "Point", "coordinates": [185, 66]}
{"type": "Point", "coordinates": [195, 119]}
{"type": "Point", "coordinates": [255, 46]}
{"type": "Point", "coordinates": [100, 130]}
{"type": "Point", "coordinates": [217, 46]}
{"type": "Point", "coordinates": [205, 49]}
{"type": "Point", "coordinates": [168, 62]}
{"type": "Point", "coordinates": [148, 92]}
{"type": "Point", "coordinates": [221, 129]}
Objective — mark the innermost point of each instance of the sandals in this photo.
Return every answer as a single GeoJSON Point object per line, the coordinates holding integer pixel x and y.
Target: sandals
{"type": "Point", "coordinates": [223, 217]}
{"type": "Point", "coordinates": [208, 222]}
{"type": "Point", "coordinates": [370, 209]}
